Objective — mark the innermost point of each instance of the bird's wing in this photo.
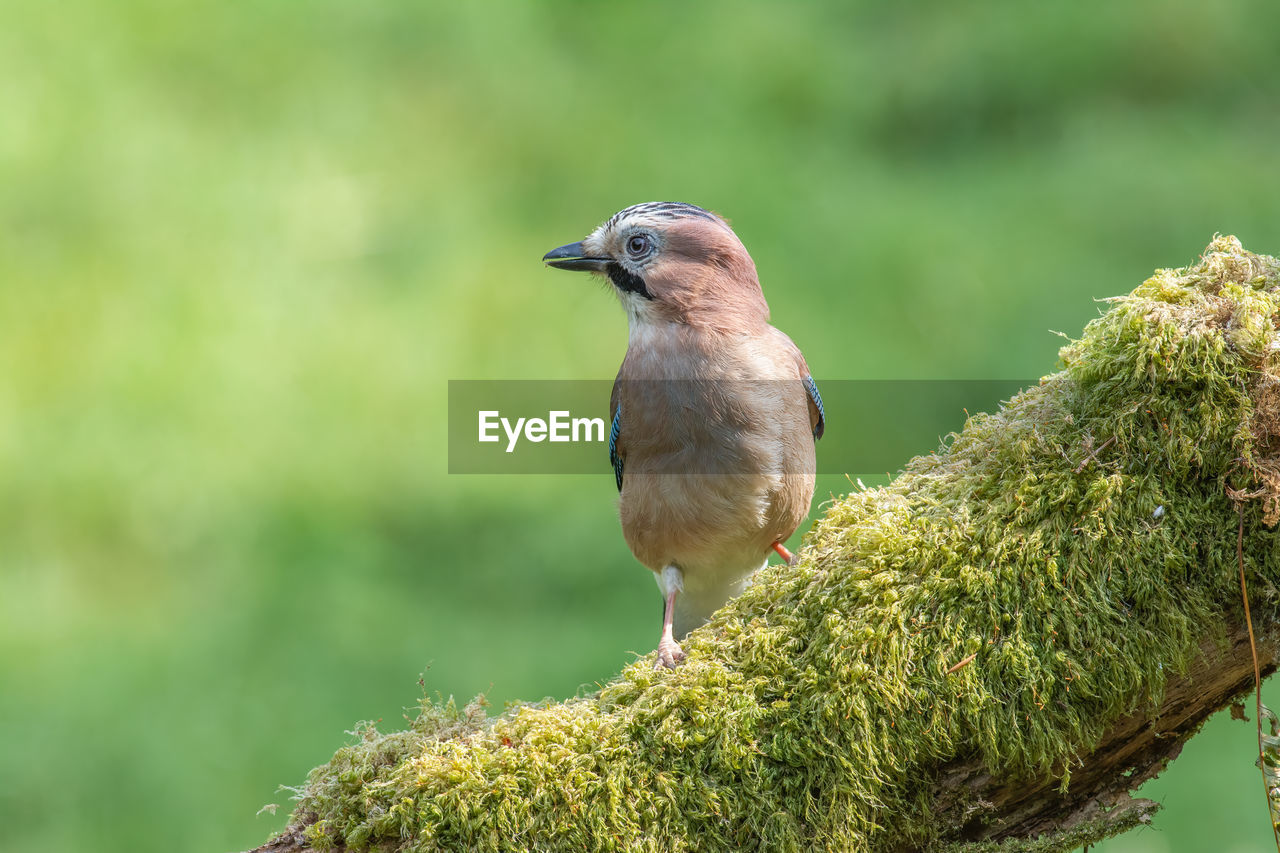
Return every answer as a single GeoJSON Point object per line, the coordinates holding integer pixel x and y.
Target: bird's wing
{"type": "Point", "coordinates": [615, 434]}
{"type": "Point", "coordinates": [817, 416]}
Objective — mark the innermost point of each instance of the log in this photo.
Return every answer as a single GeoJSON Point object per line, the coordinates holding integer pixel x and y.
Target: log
{"type": "Point", "coordinates": [990, 653]}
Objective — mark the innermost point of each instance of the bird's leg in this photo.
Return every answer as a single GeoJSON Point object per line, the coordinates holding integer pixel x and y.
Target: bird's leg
{"type": "Point", "coordinates": [784, 553]}
{"type": "Point", "coordinates": [671, 580]}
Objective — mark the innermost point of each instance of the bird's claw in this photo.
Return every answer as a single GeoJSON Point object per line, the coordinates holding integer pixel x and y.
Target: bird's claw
{"type": "Point", "coordinates": [669, 654]}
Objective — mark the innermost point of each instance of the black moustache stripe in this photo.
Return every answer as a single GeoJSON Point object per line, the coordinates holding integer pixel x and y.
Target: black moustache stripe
{"type": "Point", "coordinates": [628, 282]}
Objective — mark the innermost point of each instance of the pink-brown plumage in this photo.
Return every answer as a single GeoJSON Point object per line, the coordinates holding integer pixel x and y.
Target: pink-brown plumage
{"type": "Point", "coordinates": [715, 444]}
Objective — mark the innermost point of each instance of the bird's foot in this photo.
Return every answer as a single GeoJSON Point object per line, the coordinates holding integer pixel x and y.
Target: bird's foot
{"type": "Point", "coordinates": [784, 553]}
{"type": "Point", "coordinates": [669, 654]}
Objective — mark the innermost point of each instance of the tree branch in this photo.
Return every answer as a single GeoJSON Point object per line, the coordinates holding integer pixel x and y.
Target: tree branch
{"type": "Point", "coordinates": [989, 653]}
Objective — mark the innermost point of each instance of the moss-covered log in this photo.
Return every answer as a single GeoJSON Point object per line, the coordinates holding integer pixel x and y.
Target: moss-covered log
{"type": "Point", "coordinates": [989, 653]}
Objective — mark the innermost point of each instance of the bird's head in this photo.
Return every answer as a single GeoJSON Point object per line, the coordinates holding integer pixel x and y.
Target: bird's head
{"type": "Point", "coordinates": [672, 262]}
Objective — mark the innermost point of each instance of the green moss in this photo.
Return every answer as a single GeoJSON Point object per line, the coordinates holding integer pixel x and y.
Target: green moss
{"type": "Point", "coordinates": [1080, 542]}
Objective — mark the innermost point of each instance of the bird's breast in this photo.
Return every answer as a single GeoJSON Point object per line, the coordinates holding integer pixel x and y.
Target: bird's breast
{"type": "Point", "coordinates": [718, 467]}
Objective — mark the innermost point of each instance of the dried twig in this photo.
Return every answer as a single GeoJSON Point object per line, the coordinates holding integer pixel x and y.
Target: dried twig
{"type": "Point", "coordinates": [1257, 674]}
{"type": "Point", "coordinates": [1094, 454]}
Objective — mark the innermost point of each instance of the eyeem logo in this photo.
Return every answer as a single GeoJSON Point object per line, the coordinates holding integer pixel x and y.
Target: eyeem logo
{"type": "Point", "coordinates": [561, 426]}
{"type": "Point", "coordinates": [558, 426]}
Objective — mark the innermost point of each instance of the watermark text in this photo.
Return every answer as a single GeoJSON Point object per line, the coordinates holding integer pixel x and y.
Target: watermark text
{"type": "Point", "coordinates": [558, 426]}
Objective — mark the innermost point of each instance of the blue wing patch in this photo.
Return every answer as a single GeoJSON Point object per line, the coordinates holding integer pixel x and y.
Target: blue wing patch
{"type": "Point", "coordinates": [812, 388]}
{"type": "Point", "coordinates": [614, 459]}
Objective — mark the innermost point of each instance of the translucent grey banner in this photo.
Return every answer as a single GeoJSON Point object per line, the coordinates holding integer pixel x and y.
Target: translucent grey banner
{"type": "Point", "coordinates": [562, 426]}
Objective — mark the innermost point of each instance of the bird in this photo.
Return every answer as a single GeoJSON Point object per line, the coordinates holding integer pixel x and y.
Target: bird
{"type": "Point", "coordinates": [714, 413]}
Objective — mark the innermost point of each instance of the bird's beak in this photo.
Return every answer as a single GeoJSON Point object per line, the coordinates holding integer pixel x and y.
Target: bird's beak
{"type": "Point", "coordinates": [574, 257]}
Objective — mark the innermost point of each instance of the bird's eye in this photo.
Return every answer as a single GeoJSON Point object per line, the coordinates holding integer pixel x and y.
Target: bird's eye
{"type": "Point", "coordinates": [638, 245]}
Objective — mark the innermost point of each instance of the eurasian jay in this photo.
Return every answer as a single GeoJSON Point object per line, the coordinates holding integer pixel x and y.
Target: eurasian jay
{"type": "Point", "coordinates": [714, 412]}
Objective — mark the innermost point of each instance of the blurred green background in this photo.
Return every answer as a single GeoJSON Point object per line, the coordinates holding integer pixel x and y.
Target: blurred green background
{"type": "Point", "coordinates": [243, 247]}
